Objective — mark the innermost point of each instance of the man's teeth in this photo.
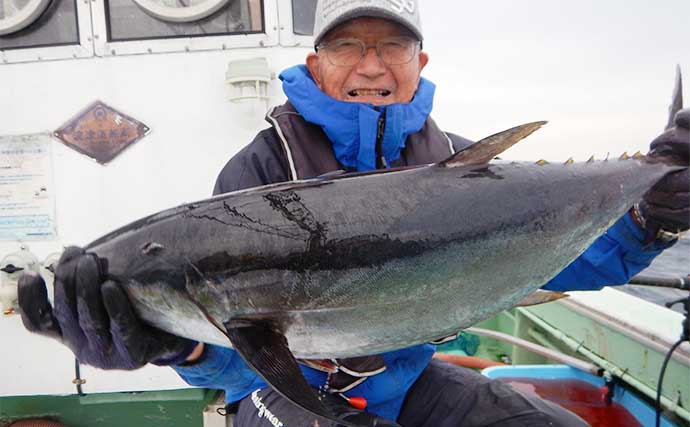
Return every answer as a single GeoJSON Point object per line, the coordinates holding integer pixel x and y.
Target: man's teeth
{"type": "Point", "coordinates": [369, 92]}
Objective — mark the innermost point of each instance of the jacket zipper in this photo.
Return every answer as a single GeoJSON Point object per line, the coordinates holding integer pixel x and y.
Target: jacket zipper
{"type": "Point", "coordinates": [381, 162]}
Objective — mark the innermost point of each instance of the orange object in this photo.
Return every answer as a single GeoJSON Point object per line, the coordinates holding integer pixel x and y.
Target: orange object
{"type": "Point", "coordinates": [356, 402]}
{"type": "Point", "coordinates": [467, 361]}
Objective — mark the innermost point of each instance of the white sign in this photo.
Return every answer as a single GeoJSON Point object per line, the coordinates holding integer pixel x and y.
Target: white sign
{"type": "Point", "coordinates": [27, 203]}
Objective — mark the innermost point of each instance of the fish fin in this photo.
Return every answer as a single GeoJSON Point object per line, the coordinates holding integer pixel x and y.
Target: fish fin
{"type": "Point", "coordinates": [676, 99]}
{"type": "Point", "coordinates": [265, 349]}
{"type": "Point", "coordinates": [485, 150]}
{"type": "Point", "coordinates": [540, 297]}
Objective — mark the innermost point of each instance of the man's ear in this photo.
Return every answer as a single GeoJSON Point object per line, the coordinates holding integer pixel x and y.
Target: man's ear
{"type": "Point", "coordinates": [423, 60]}
{"type": "Point", "coordinates": [313, 67]}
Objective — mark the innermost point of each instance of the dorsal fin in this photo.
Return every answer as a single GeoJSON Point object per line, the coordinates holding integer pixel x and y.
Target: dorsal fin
{"type": "Point", "coordinates": [488, 148]}
{"type": "Point", "coordinates": [676, 100]}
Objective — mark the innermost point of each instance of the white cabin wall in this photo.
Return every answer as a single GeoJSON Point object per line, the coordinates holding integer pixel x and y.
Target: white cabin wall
{"type": "Point", "coordinates": [182, 97]}
{"type": "Point", "coordinates": [195, 130]}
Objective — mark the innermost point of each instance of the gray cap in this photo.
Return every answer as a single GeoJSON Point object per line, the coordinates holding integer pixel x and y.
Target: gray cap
{"type": "Point", "coordinates": [331, 13]}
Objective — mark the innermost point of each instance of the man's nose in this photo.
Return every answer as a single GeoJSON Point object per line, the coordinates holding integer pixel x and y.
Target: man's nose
{"type": "Point", "coordinates": [371, 65]}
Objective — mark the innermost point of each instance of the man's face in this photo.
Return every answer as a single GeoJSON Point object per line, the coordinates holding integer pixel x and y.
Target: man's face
{"type": "Point", "coordinates": [371, 80]}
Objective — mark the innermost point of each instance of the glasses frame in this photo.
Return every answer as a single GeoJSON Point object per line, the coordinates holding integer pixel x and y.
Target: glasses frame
{"type": "Point", "coordinates": [364, 48]}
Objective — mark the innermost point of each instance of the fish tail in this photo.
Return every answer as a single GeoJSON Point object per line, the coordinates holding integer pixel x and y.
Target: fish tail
{"type": "Point", "coordinates": [665, 150]}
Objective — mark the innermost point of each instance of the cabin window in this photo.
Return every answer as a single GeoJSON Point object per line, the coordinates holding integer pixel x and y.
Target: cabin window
{"type": "Point", "coordinates": [156, 19]}
{"type": "Point", "coordinates": [38, 23]}
{"type": "Point", "coordinates": [303, 17]}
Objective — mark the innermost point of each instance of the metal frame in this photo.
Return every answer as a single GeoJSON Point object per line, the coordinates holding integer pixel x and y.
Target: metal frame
{"type": "Point", "coordinates": [91, 22]}
{"type": "Point", "coordinates": [105, 48]}
{"type": "Point", "coordinates": [50, 53]}
{"type": "Point", "coordinates": [287, 35]}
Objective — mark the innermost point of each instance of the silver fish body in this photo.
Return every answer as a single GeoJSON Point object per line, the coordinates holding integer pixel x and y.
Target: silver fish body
{"type": "Point", "coordinates": [369, 263]}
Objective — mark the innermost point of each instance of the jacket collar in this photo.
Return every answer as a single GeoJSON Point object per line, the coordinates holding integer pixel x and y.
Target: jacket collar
{"type": "Point", "coordinates": [353, 127]}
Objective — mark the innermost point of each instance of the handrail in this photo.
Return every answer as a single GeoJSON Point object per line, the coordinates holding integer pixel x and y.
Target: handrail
{"type": "Point", "coordinates": [679, 282]}
{"type": "Point", "coordinates": [538, 349]}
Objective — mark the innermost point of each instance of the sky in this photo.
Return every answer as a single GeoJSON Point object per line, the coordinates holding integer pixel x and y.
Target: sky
{"type": "Point", "coordinates": [600, 71]}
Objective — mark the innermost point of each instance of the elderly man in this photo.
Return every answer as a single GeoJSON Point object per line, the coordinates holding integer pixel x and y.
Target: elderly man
{"type": "Point", "coordinates": [359, 104]}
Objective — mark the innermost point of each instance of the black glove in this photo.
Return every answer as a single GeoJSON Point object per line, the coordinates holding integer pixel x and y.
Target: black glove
{"type": "Point", "coordinates": [94, 317]}
{"type": "Point", "coordinates": [667, 205]}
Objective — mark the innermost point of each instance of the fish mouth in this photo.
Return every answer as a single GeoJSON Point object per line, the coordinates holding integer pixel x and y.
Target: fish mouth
{"type": "Point", "coordinates": [369, 92]}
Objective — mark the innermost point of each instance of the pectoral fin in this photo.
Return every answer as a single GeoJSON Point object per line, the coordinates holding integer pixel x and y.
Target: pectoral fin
{"type": "Point", "coordinates": [540, 297]}
{"type": "Point", "coordinates": [266, 350]}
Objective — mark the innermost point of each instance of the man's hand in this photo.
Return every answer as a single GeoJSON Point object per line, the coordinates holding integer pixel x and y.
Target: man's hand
{"type": "Point", "coordinates": [667, 205]}
{"type": "Point", "coordinates": [94, 317]}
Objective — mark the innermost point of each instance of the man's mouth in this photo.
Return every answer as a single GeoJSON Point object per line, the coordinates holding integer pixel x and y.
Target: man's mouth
{"type": "Point", "coordinates": [369, 92]}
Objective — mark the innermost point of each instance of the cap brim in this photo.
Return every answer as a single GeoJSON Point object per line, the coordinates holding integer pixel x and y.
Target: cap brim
{"type": "Point", "coordinates": [373, 12]}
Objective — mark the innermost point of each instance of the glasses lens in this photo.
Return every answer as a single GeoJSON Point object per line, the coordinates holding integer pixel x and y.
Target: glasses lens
{"type": "Point", "coordinates": [345, 52]}
{"type": "Point", "coordinates": [392, 51]}
{"type": "Point", "coordinates": [397, 51]}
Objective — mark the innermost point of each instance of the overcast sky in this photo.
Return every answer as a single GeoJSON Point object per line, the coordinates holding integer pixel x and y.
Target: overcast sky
{"type": "Point", "coordinates": [601, 71]}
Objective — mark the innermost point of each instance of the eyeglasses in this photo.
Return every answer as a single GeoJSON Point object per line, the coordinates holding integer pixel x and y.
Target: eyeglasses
{"type": "Point", "coordinates": [391, 50]}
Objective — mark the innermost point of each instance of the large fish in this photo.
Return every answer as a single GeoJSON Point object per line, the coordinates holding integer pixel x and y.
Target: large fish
{"type": "Point", "coordinates": [361, 264]}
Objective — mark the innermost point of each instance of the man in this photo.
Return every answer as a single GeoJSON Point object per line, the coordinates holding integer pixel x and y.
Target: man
{"type": "Point", "coordinates": [359, 104]}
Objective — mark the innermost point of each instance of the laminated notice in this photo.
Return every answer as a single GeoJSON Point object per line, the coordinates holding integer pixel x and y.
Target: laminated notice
{"type": "Point", "coordinates": [27, 202]}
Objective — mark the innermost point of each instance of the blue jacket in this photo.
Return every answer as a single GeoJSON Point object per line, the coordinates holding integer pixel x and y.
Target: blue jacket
{"type": "Point", "coordinates": [612, 259]}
